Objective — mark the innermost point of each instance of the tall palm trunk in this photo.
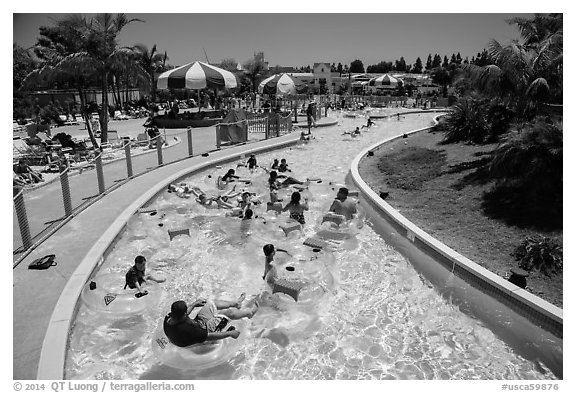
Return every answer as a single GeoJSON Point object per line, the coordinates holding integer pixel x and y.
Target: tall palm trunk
{"type": "Point", "coordinates": [86, 117]}
{"type": "Point", "coordinates": [127, 98]}
{"type": "Point", "coordinates": [104, 111]}
{"type": "Point", "coordinates": [116, 91]}
{"type": "Point", "coordinates": [152, 87]}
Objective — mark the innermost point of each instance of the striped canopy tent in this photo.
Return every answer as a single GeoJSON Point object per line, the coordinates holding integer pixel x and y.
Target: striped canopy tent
{"type": "Point", "coordinates": [282, 84]}
{"type": "Point", "coordinates": [196, 76]}
{"type": "Point", "coordinates": [386, 80]}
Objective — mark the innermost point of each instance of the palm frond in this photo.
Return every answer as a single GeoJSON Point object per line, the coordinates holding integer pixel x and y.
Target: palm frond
{"type": "Point", "coordinates": [538, 89]}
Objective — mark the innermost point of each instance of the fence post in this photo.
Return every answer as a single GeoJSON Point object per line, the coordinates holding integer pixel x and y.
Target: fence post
{"type": "Point", "coordinates": [159, 150]}
{"type": "Point", "coordinates": [218, 141]}
{"type": "Point", "coordinates": [128, 160]}
{"type": "Point", "coordinates": [66, 192]}
{"type": "Point", "coordinates": [100, 174]}
{"type": "Point", "coordinates": [22, 220]}
{"type": "Point", "coordinates": [189, 134]}
{"type": "Point", "coordinates": [267, 128]}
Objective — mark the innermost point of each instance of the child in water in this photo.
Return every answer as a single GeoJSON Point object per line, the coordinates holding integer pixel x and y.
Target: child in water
{"type": "Point", "coordinates": [296, 208]}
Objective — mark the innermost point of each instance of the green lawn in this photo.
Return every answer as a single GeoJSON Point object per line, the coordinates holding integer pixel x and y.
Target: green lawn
{"type": "Point", "coordinates": [425, 184]}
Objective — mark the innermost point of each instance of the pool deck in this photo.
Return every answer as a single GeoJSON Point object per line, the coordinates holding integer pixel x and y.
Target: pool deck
{"type": "Point", "coordinates": [36, 292]}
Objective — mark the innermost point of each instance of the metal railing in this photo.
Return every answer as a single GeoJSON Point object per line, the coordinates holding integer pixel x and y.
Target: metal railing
{"type": "Point", "coordinates": [41, 211]}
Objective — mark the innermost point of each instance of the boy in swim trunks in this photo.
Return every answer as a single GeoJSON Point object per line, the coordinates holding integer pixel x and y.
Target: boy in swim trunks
{"type": "Point", "coordinates": [283, 167]}
{"type": "Point", "coordinates": [183, 331]}
{"type": "Point", "coordinates": [136, 275]}
{"type": "Point", "coordinates": [252, 163]}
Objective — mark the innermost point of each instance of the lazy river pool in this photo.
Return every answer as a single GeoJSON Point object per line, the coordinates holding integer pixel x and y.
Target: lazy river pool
{"type": "Point", "coordinates": [369, 314]}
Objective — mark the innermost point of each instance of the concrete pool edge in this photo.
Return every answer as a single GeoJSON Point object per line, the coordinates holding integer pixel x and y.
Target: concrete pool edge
{"type": "Point", "coordinates": [53, 353]}
{"type": "Point", "coordinates": [537, 310]}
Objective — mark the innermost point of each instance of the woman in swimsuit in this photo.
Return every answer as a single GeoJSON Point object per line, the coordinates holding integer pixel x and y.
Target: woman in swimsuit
{"type": "Point", "coordinates": [296, 208]}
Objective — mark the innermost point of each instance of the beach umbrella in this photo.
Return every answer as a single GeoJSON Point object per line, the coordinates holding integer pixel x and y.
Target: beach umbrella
{"type": "Point", "coordinates": [385, 80]}
{"type": "Point", "coordinates": [282, 84]}
{"type": "Point", "coordinates": [197, 76]}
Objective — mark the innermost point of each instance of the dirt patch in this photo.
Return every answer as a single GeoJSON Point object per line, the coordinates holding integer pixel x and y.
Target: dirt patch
{"type": "Point", "coordinates": [430, 185]}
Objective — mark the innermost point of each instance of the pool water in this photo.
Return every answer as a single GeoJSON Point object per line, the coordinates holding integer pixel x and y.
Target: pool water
{"type": "Point", "coordinates": [369, 315]}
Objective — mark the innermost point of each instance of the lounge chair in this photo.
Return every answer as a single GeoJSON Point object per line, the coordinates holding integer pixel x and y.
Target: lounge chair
{"type": "Point", "coordinates": [114, 141]}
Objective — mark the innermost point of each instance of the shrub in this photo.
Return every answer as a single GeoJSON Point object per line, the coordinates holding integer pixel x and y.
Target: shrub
{"type": "Point", "coordinates": [528, 170]}
{"type": "Point", "coordinates": [539, 253]}
{"type": "Point", "coordinates": [500, 118]}
{"type": "Point", "coordinates": [465, 123]}
{"type": "Point", "coordinates": [475, 120]}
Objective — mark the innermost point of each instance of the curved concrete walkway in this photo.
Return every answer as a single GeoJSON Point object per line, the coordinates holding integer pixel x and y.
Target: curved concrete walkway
{"type": "Point", "coordinates": [36, 292]}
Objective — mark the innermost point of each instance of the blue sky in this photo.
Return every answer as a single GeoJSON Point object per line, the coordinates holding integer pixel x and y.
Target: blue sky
{"type": "Point", "coordinates": [301, 39]}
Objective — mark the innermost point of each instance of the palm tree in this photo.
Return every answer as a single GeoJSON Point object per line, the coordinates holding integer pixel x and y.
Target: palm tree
{"type": "Point", "coordinates": [528, 74]}
{"type": "Point", "coordinates": [56, 44]}
{"type": "Point", "coordinates": [100, 51]}
{"type": "Point", "coordinates": [253, 69]}
{"type": "Point", "coordinates": [528, 170]}
{"type": "Point", "coordinates": [152, 62]}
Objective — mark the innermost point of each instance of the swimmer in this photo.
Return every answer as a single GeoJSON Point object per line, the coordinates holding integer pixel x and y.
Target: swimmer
{"type": "Point", "coordinates": [208, 324]}
{"type": "Point", "coordinates": [275, 183]}
{"type": "Point", "coordinates": [252, 163]}
{"type": "Point", "coordinates": [342, 205]}
{"type": "Point", "coordinates": [182, 190]}
{"type": "Point", "coordinates": [369, 124]}
{"type": "Point", "coordinates": [275, 164]}
{"type": "Point", "coordinates": [283, 167]}
{"type": "Point", "coordinates": [296, 208]}
{"type": "Point", "coordinates": [220, 200]}
{"type": "Point", "coordinates": [136, 275]}
{"type": "Point", "coordinates": [270, 272]}
{"type": "Point", "coordinates": [229, 177]}
{"type": "Point", "coordinates": [354, 133]}
{"type": "Point", "coordinates": [246, 201]}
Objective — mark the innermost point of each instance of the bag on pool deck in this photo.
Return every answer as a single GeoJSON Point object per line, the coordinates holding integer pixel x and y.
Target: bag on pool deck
{"type": "Point", "coordinates": [43, 263]}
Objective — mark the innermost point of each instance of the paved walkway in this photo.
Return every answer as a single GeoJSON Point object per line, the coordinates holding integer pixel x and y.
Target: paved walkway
{"type": "Point", "coordinates": [36, 292]}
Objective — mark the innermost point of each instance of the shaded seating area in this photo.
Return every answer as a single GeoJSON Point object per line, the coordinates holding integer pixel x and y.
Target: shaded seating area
{"type": "Point", "coordinates": [39, 153]}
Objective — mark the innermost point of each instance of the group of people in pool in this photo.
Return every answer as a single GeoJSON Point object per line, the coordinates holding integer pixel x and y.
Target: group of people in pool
{"type": "Point", "coordinates": [358, 131]}
{"type": "Point", "coordinates": [210, 322]}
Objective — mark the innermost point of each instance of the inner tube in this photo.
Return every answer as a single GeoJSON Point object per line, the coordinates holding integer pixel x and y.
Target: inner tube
{"type": "Point", "coordinates": [197, 356]}
{"type": "Point", "coordinates": [312, 270]}
{"type": "Point", "coordinates": [278, 227]}
{"type": "Point", "coordinates": [329, 229]}
{"type": "Point", "coordinates": [111, 299]}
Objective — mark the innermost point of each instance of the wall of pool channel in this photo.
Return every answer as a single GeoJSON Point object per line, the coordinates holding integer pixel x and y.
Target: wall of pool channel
{"type": "Point", "coordinates": [521, 319]}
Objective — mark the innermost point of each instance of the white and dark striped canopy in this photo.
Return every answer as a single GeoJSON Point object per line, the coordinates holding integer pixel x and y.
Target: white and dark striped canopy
{"type": "Point", "coordinates": [385, 80]}
{"type": "Point", "coordinates": [282, 84]}
{"type": "Point", "coordinates": [195, 76]}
